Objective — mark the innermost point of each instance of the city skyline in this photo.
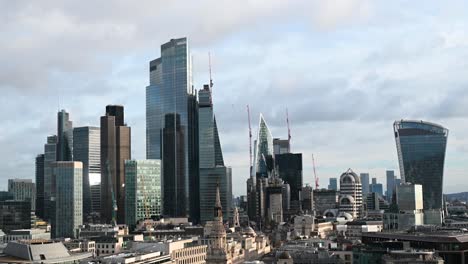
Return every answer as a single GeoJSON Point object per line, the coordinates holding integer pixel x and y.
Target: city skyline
{"type": "Point", "coordinates": [334, 95]}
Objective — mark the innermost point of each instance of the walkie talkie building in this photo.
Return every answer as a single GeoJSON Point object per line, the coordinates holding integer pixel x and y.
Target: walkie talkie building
{"type": "Point", "coordinates": [421, 154]}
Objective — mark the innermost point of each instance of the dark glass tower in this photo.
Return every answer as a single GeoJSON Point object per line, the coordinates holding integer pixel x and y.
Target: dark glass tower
{"type": "Point", "coordinates": [290, 171]}
{"type": "Point", "coordinates": [115, 149]}
{"type": "Point", "coordinates": [40, 186]}
{"type": "Point", "coordinates": [171, 95]}
{"type": "Point", "coordinates": [64, 137]}
{"type": "Point", "coordinates": [421, 153]}
{"type": "Point", "coordinates": [174, 167]}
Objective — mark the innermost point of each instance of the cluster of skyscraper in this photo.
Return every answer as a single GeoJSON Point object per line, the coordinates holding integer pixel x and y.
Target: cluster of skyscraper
{"type": "Point", "coordinates": [275, 184]}
{"type": "Point", "coordinates": [179, 178]}
{"type": "Point", "coordinates": [421, 150]}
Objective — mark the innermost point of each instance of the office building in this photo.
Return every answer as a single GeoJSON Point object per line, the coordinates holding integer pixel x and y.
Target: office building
{"type": "Point", "coordinates": [40, 185]}
{"type": "Point", "coordinates": [289, 168]}
{"type": "Point", "coordinates": [376, 202]}
{"type": "Point", "coordinates": [263, 148]}
{"type": "Point", "coordinates": [281, 146]}
{"type": "Point", "coordinates": [69, 198]}
{"type": "Point", "coordinates": [15, 215]}
{"type": "Point", "coordinates": [212, 171]}
{"type": "Point", "coordinates": [307, 197]}
{"type": "Point", "coordinates": [115, 149]}
{"type": "Point", "coordinates": [64, 137]}
{"type": "Point", "coordinates": [365, 183]}
{"type": "Point", "coordinates": [325, 199]}
{"type": "Point", "coordinates": [350, 199]}
{"type": "Point", "coordinates": [421, 154]}
{"type": "Point", "coordinates": [390, 184]}
{"type": "Point", "coordinates": [23, 190]}
{"type": "Point", "coordinates": [376, 187]}
{"type": "Point", "coordinates": [50, 156]}
{"type": "Point", "coordinates": [333, 184]}
{"type": "Point", "coordinates": [87, 149]}
{"type": "Point", "coordinates": [409, 211]}
{"type": "Point", "coordinates": [143, 190]}
{"type": "Point", "coordinates": [95, 190]}
{"type": "Point", "coordinates": [171, 128]}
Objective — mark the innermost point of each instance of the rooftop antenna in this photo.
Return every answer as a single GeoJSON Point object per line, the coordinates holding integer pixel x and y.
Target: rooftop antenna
{"type": "Point", "coordinates": [315, 173]}
{"type": "Point", "coordinates": [289, 131]}
{"type": "Point", "coordinates": [250, 139]}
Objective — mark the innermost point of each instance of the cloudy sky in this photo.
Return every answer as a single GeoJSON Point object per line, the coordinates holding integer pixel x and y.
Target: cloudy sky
{"type": "Point", "coordinates": [345, 69]}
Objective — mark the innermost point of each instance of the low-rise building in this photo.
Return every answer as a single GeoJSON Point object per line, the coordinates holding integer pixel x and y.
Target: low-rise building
{"type": "Point", "coordinates": [27, 234]}
{"type": "Point", "coordinates": [81, 245]}
{"type": "Point", "coordinates": [40, 251]}
{"type": "Point", "coordinates": [411, 256]}
{"type": "Point", "coordinates": [131, 258]}
{"type": "Point", "coordinates": [100, 230]}
{"type": "Point", "coordinates": [354, 230]}
{"type": "Point", "coordinates": [108, 245]}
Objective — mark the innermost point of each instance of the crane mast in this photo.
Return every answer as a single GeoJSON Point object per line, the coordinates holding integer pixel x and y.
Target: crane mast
{"type": "Point", "coordinates": [315, 173]}
{"type": "Point", "coordinates": [250, 140]}
{"type": "Point", "coordinates": [289, 131]}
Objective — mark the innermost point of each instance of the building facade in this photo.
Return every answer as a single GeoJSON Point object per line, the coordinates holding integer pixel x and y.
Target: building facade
{"type": "Point", "coordinates": [50, 156]}
{"type": "Point", "coordinates": [212, 171]}
{"type": "Point", "coordinates": [421, 154]}
{"type": "Point", "coordinates": [23, 190]}
{"type": "Point", "coordinates": [87, 149]}
{"type": "Point", "coordinates": [171, 128]}
{"type": "Point", "coordinates": [39, 186]}
{"type": "Point", "coordinates": [115, 149]}
{"type": "Point", "coordinates": [143, 190]}
{"type": "Point", "coordinates": [69, 200]}
{"type": "Point", "coordinates": [289, 166]}
{"type": "Point", "coordinates": [15, 215]}
{"type": "Point", "coordinates": [64, 137]}
{"type": "Point", "coordinates": [390, 184]}
{"type": "Point", "coordinates": [333, 184]}
{"type": "Point", "coordinates": [350, 199]}
{"type": "Point", "coordinates": [364, 183]}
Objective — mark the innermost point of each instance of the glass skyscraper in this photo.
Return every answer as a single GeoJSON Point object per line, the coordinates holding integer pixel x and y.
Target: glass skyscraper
{"type": "Point", "coordinates": [69, 213]}
{"type": "Point", "coordinates": [365, 183]}
{"type": "Point", "coordinates": [143, 190]}
{"type": "Point", "coordinates": [390, 184]}
{"type": "Point", "coordinates": [263, 148]}
{"type": "Point", "coordinates": [421, 153]}
{"type": "Point", "coordinates": [213, 172]}
{"type": "Point", "coordinates": [64, 137]}
{"type": "Point", "coordinates": [40, 186]}
{"type": "Point", "coordinates": [87, 149]}
{"type": "Point", "coordinates": [333, 184]}
{"type": "Point", "coordinates": [50, 156]}
{"type": "Point", "coordinates": [171, 128]}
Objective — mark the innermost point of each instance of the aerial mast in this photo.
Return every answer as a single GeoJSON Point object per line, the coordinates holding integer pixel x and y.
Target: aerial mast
{"type": "Point", "coordinates": [315, 173]}
{"type": "Point", "coordinates": [209, 65]}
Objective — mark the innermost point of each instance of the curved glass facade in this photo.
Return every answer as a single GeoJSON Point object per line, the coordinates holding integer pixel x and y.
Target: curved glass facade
{"type": "Point", "coordinates": [421, 154]}
{"type": "Point", "coordinates": [263, 148]}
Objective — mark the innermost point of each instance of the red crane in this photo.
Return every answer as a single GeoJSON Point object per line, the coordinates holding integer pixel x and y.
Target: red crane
{"type": "Point", "coordinates": [315, 173]}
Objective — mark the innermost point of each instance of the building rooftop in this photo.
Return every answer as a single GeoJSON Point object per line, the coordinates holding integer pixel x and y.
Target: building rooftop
{"type": "Point", "coordinates": [434, 236]}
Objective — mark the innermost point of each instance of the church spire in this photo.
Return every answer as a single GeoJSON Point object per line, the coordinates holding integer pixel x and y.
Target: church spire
{"type": "Point", "coordinates": [218, 209]}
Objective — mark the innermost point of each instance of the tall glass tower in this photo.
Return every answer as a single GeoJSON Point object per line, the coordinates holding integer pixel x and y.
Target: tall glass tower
{"type": "Point", "coordinates": [171, 128]}
{"type": "Point", "coordinates": [263, 148]}
{"type": "Point", "coordinates": [421, 154]}
{"type": "Point", "coordinates": [64, 137]}
{"type": "Point", "coordinates": [87, 149]}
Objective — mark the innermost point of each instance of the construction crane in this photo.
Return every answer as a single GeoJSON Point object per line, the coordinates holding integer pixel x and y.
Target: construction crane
{"type": "Point", "coordinates": [315, 173]}
{"type": "Point", "coordinates": [250, 139]}
{"type": "Point", "coordinates": [289, 131]}
{"type": "Point", "coordinates": [209, 65]}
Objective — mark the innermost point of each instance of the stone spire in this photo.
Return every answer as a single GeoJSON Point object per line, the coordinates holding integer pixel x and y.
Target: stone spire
{"type": "Point", "coordinates": [218, 209]}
